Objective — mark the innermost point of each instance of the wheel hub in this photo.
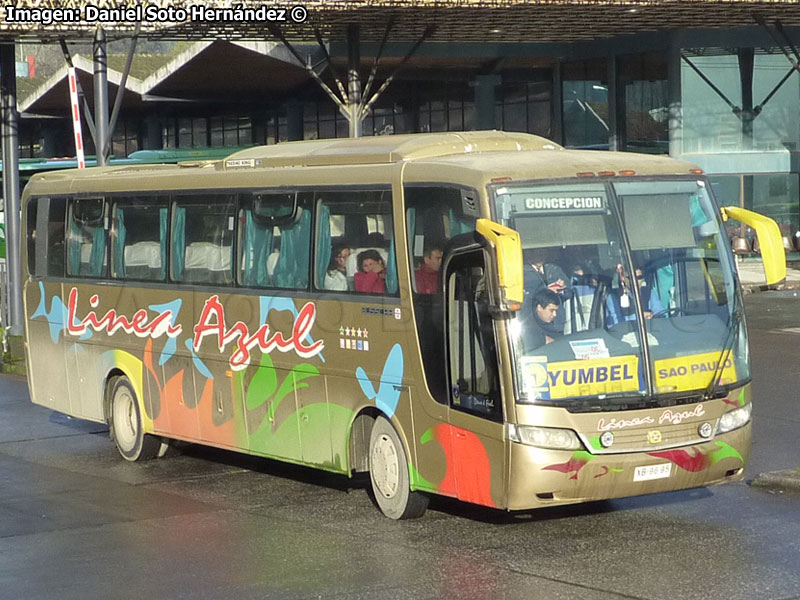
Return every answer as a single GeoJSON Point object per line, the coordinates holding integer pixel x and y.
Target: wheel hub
{"type": "Point", "coordinates": [385, 467]}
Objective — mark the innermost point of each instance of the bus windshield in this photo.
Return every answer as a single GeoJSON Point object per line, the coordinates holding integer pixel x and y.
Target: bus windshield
{"type": "Point", "coordinates": [612, 263]}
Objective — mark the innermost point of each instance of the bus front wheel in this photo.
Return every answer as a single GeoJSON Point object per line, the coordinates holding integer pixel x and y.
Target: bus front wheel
{"type": "Point", "coordinates": [125, 424]}
{"type": "Point", "coordinates": [388, 473]}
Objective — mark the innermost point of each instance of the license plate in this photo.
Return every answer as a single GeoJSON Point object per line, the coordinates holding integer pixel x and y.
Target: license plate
{"type": "Point", "coordinates": [652, 472]}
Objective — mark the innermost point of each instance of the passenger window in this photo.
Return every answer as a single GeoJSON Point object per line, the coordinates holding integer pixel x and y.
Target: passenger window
{"type": "Point", "coordinates": [275, 240]}
{"type": "Point", "coordinates": [475, 386]}
{"type": "Point", "coordinates": [434, 214]}
{"type": "Point", "coordinates": [139, 247]}
{"type": "Point", "coordinates": [86, 248]}
{"type": "Point", "coordinates": [202, 240]}
{"type": "Point", "coordinates": [355, 243]}
{"type": "Point", "coordinates": [51, 247]}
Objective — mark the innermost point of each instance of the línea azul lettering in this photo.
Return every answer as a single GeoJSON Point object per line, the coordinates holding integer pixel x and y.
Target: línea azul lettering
{"type": "Point", "coordinates": [212, 322]}
{"type": "Point", "coordinates": [139, 324]}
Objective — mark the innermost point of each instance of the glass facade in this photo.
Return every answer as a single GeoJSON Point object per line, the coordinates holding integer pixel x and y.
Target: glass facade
{"type": "Point", "coordinates": [710, 125]}
{"type": "Point", "coordinates": [754, 170]}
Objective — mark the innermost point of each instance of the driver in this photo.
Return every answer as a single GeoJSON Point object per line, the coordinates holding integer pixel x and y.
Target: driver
{"type": "Point", "coordinates": [540, 328]}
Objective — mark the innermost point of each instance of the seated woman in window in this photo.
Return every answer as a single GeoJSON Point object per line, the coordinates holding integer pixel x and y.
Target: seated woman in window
{"type": "Point", "coordinates": [336, 275]}
{"type": "Point", "coordinates": [371, 275]}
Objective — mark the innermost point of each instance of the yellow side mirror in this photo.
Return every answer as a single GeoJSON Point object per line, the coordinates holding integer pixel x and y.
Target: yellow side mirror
{"type": "Point", "coordinates": [508, 247]}
{"type": "Point", "coordinates": [769, 239]}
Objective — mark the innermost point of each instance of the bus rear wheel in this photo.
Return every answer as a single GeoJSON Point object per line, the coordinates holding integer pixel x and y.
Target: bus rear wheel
{"type": "Point", "coordinates": [125, 424]}
{"type": "Point", "coordinates": [388, 473]}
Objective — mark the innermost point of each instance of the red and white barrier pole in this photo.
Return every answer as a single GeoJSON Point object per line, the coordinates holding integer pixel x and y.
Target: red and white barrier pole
{"type": "Point", "coordinates": [76, 118]}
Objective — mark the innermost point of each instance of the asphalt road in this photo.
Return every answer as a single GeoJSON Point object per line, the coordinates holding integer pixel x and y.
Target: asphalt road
{"type": "Point", "coordinates": [76, 521]}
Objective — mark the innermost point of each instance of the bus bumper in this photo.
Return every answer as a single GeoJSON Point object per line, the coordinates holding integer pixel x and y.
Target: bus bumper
{"type": "Point", "coordinates": [540, 477]}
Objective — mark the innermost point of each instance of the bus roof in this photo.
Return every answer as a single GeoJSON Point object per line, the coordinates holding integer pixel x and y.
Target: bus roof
{"type": "Point", "coordinates": [385, 149]}
{"type": "Point", "coordinates": [472, 158]}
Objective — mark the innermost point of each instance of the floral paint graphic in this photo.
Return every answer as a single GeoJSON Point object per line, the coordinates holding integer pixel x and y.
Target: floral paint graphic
{"type": "Point", "coordinates": [390, 384]}
{"type": "Point", "coordinates": [468, 474]}
{"type": "Point", "coordinates": [572, 467]}
{"type": "Point", "coordinates": [264, 387]}
{"type": "Point", "coordinates": [695, 460]}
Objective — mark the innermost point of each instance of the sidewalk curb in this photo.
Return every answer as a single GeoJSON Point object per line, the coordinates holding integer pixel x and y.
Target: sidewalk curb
{"type": "Point", "coordinates": [752, 288]}
{"type": "Point", "coordinates": [784, 480]}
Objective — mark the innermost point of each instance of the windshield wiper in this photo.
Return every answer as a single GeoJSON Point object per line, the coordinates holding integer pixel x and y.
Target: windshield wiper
{"type": "Point", "coordinates": [730, 340]}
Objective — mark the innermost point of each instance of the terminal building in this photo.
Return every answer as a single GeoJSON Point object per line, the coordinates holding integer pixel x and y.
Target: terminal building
{"type": "Point", "coordinates": [715, 83]}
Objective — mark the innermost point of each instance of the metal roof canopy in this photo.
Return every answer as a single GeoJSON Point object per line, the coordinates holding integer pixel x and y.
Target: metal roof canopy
{"type": "Point", "coordinates": [485, 21]}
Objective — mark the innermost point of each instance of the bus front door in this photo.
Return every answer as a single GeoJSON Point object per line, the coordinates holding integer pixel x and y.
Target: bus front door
{"type": "Point", "coordinates": [475, 407]}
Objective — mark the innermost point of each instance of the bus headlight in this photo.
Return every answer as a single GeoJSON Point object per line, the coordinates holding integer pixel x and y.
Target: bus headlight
{"type": "Point", "coordinates": [735, 419]}
{"type": "Point", "coordinates": [544, 437]}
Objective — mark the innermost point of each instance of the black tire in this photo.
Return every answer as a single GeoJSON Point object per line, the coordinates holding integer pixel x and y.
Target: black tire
{"type": "Point", "coordinates": [125, 424]}
{"type": "Point", "coordinates": [388, 473]}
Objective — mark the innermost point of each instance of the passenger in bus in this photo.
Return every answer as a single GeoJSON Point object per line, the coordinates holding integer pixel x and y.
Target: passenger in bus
{"type": "Point", "coordinates": [336, 275]}
{"type": "Point", "coordinates": [541, 274]}
{"type": "Point", "coordinates": [619, 305]}
{"type": "Point", "coordinates": [539, 328]}
{"type": "Point", "coordinates": [427, 275]}
{"type": "Point", "coordinates": [376, 240]}
{"type": "Point", "coordinates": [371, 275]}
{"type": "Point", "coordinates": [578, 305]}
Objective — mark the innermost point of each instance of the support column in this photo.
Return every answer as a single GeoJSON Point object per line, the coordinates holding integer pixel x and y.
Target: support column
{"type": "Point", "coordinates": [485, 100]}
{"type": "Point", "coordinates": [353, 80]}
{"type": "Point", "coordinates": [613, 104]}
{"type": "Point", "coordinates": [151, 134]}
{"type": "Point", "coordinates": [674, 98]}
{"type": "Point", "coordinates": [557, 107]}
{"type": "Point", "coordinates": [49, 142]}
{"type": "Point", "coordinates": [10, 133]}
{"type": "Point", "coordinates": [100, 95]}
{"type": "Point", "coordinates": [294, 120]}
{"type": "Point", "coordinates": [746, 64]}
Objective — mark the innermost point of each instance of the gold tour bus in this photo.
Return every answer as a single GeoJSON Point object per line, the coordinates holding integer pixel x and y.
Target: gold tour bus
{"type": "Point", "coordinates": [481, 315]}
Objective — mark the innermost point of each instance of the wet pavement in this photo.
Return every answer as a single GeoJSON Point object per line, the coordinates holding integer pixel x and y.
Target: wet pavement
{"type": "Point", "coordinates": [76, 521]}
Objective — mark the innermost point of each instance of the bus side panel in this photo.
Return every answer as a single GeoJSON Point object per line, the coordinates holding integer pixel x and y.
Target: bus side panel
{"type": "Point", "coordinates": [365, 358]}
{"type": "Point", "coordinates": [84, 351]}
{"type": "Point", "coordinates": [46, 320]}
{"type": "Point", "coordinates": [254, 406]}
{"type": "Point", "coordinates": [167, 364]}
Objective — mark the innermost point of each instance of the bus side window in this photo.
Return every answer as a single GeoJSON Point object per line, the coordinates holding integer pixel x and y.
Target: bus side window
{"type": "Point", "coordinates": [291, 270]}
{"type": "Point", "coordinates": [87, 254]}
{"type": "Point", "coordinates": [355, 249]}
{"type": "Point", "coordinates": [53, 222]}
{"type": "Point", "coordinates": [274, 239]}
{"type": "Point", "coordinates": [139, 241]}
{"type": "Point", "coordinates": [433, 215]}
{"type": "Point", "coordinates": [45, 234]}
{"type": "Point", "coordinates": [202, 239]}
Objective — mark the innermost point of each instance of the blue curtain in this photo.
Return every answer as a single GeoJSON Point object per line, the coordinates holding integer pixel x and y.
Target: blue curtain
{"type": "Point", "coordinates": [179, 243]}
{"type": "Point", "coordinates": [323, 244]}
{"type": "Point", "coordinates": [163, 215]}
{"type": "Point", "coordinates": [411, 223]}
{"type": "Point", "coordinates": [458, 226]}
{"type": "Point", "coordinates": [291, 270]}
{"type": "Point", "coordinates": [97, 258]}
{"type": "Point", "coordinates": [119, 245]}
{"type": "Point", "coordinates": [664, 282]}
{"type": "Point", "coordinates": [696, 211]}
{"type": "Point", "coordinates": [257, 243]}
{"type": "Point", "coordinates": [391, 270]}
